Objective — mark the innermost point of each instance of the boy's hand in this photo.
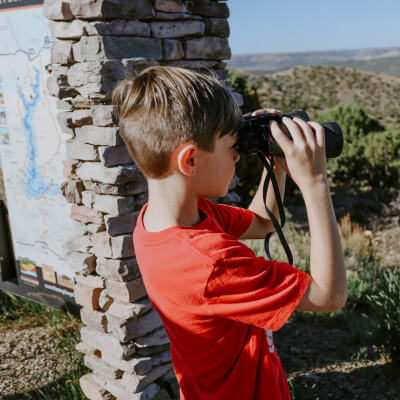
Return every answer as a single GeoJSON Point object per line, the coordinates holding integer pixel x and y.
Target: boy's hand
{"type": "Point", "coordinates": [305, 153]}
{"type": "Point", "coordinates": [279, 162]}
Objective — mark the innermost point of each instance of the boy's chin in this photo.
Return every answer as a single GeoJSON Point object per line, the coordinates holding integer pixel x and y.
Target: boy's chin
{"type": "Point", "coordinates": [216, 194]}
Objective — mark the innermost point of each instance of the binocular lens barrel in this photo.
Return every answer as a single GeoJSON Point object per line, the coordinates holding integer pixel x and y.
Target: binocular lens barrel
{"type": "Point", "coordinates": [255, 135]}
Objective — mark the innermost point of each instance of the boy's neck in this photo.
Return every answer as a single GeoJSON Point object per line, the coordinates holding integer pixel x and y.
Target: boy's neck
{"type": "Point", "coordinates": [170, 204]}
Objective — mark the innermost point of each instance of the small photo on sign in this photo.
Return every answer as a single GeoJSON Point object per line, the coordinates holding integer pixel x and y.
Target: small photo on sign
{"type": "Point", "coordinates": [65, 280]}
{"type": "Point", "coordinates": [28, 270]}
{"type": "Point", "coordinates": [48, 274]}
{"type": "Point", "coordinates": [28, 267]}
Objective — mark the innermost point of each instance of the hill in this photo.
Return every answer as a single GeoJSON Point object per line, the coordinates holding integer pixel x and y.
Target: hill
{"type": "Point", "coordinates": [279, 61]}
{"type": "Point", "coordinates": [386, 65]}
{"type": "Point", "coordinates": [318, 87]}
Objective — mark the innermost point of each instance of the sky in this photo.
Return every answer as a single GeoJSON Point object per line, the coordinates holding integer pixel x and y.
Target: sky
{"type": "Point", "coordinates": [310, 25]}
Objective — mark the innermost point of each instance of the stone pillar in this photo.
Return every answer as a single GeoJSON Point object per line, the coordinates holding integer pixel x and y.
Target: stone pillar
{"type": "Point", "coordinates": [98, 42]}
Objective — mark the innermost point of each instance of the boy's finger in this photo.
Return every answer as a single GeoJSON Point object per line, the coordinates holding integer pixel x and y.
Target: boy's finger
{"type": "Point", "coordinates": [265, 111]}
{"type": "Point", "coordinates": [294, 129]}
{"type": "Point", "coordinates": [307, 130]}
{"type": "Point", "coordinates": [279, 136]}
{"type": "Point", "coordinates": [319, 133]}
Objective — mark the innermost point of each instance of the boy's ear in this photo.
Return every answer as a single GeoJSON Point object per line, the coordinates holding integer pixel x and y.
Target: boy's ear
{"type": "Point", "coordinates": [185, 158]}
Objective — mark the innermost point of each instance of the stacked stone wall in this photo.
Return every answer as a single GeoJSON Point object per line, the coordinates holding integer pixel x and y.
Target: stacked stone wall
{"type": "Point", "coordinates": [99, 41]}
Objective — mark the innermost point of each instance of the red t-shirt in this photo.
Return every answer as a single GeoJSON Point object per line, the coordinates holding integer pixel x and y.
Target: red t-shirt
{"type": "Point", "coordinates": [216, 300]}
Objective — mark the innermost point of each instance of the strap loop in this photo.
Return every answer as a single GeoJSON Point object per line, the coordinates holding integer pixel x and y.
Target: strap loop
{"type": "Point", "coordinates": [269, 166]}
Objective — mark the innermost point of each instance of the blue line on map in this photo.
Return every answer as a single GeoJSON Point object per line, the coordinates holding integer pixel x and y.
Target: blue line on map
{"type": "Point", "coordinates": [35, 184]}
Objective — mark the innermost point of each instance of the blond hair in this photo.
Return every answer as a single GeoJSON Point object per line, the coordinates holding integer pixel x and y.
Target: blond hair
{"type": "Point", "coordinates": [163, 107]}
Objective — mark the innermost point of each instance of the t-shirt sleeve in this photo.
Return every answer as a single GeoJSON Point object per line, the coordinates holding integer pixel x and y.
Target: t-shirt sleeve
{"type": "Point", "coordinates": [252, 290]}
{"type": "Point", "coordinates": [233, 220]}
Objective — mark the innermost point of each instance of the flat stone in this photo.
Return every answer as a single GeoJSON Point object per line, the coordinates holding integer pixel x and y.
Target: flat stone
{"type": "Point", "coordinates": [102, 245]}
{"type": "Point", "coordinates": [95, 79]}
{"type": "Point", "coordinates": [119, 27]}
{"type": "Point", "coordinates": [57, 10]}
{"type": "Point", "coordinates": [173, 49]}
{"type": "Point", "coordinates": [68, 30]}
{"type": "Point", "coordinates": [156, 338]}
{"type": "Point", "coordinates": [114, 155]}
{"type": "Point", "coordinates": [99, 135]}
{"type": "Point", "coordinates": [105, 301]}
{"type": "Point", "coordinates": [85, 214]}
{"type": "Point", "coordinates": [177, 29]}
{"type": "Point", "coordinates": [118, 270]}
{"type": "Point", "coordinates": [217, 27]}
{"type": "Point", "coordinates": [121, 224]}
{"type": "Point", "coordinates": [94, 281]}
{"type": "Point", "coordinates": [107, 344]}
{"type": "Point", "coordinates": [114, 205]}
{"type": "Point", "coordinates": [89, 48]}
{"type": "Point", "coordinates": [82, 263]}
{"type": "Point", "coordinates": [102, 367]}
{"type": "Point", "coordinates": [202, 65]}
{"type": "Point", "coordinates": [178, 16]}
{"type": "Point", "coordinates": [114, 175]}
{"type": "Point", "coordinates": [132, 47]}
{"type": "Point", "coordinates": [72, 191]}
{"type": "Point", "coordinates": [209, 9]}
{"type": "Point", "coordinates": [79, 243]}
{"type": "Point", "coordinates": [100, 48]}
{"type": "Point", "coordinates": [122, 246]}
{"type": "Point", "coordinates": [91, 228]}
{"type": "Point", "coordinates": [94, 319]}
{"type": "Point", "coordinates": [76, 149]}
{"type": "Point", "coordinates": [137, 383]}
{"type": "Point", "coordinates": [87, 198]}
{"type": "Point", "coordinates": [69, 169]}
{"type": "Point", "coordinates": [58, 86]}
{"type": "Point", "coordinates": [87, 296]}
{"type": "Point", "coordinates": [102, 115]}
{"type": "Point", "coordinates": [138, 186]}
{"type": "Point", "coordinates": [93, 390]}
{"type": "Point", "coordinates": [61, 52]}
{"type": "Point", "coordinates": [81, 117]}
{"type": "Point", "coordinates": [64, 120]}
{"type": "Point", "coordinates": [152, 391]}
{"type": "Point", "coordinates": [209, 47]}
{"type": "Point", "coordinates": [109, 9]}
{"type": "Point", "coordinates": [126, 291]}
{"type": "Point", "coordinates": [170, 6]}
{"type": "Point", "coordinates": [127, 330]}
{"type": "Point", "coordinates": [125, 311]}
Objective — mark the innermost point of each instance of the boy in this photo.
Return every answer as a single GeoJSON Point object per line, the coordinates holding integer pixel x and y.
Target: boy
{"type": "Point", "coordinates": [214, 296]}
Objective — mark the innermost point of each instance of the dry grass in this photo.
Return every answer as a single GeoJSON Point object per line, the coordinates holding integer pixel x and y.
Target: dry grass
{"type": "Point", "coordinates": [356, 243]}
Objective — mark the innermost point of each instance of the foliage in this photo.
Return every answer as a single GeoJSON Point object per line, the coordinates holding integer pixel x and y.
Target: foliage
{"type": "Point", "coordinates": [248, 91]}
{"type": "Point", "coordinates": [386, 306]}
{"type": "Point", "coordinates": [370, 154]}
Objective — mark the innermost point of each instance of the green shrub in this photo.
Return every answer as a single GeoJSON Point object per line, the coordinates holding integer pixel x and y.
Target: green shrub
{"type": "Point", "coordinates": [370, 154]}
{"type": "Point", "coordinates": [248, 92]}
{"type": "Point", "coordinates": [386, 306]}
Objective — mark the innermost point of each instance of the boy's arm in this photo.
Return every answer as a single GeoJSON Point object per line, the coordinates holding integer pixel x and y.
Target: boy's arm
{"type": "Point", "coordinates": [261, 223]}
{"type": "Point", "coordinates": [306, 161]}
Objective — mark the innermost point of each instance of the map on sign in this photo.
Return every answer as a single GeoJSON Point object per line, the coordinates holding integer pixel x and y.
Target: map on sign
{"type": "Point", "coordinates": [32, 147]}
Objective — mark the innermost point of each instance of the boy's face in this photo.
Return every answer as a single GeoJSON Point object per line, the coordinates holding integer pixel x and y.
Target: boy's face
{"type": "Point", "coordinates": [216, 169]}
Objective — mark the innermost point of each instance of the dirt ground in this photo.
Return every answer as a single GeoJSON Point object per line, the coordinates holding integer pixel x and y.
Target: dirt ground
{"type": "Point", "coordinates": [325, 363]}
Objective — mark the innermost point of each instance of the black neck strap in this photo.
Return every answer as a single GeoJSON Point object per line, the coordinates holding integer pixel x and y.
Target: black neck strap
{"type": "Point", "coordinates": [269, 166]}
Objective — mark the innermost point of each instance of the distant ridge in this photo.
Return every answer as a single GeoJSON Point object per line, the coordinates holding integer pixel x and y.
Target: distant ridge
{"type": "Point", "coordinates": [279, 61]}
